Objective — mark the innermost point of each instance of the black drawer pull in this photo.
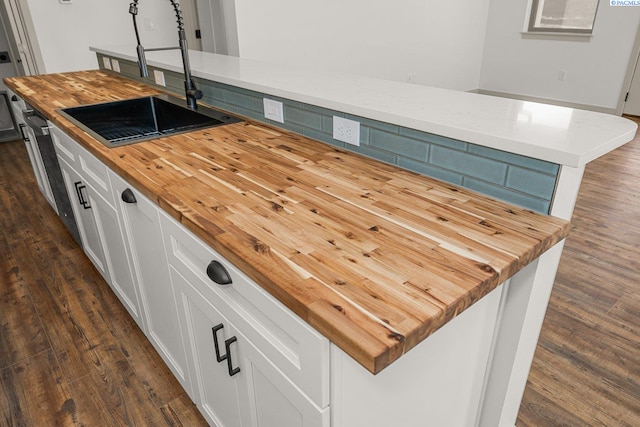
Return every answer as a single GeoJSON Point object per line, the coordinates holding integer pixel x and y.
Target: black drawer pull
{"type": "Point", "coordinates": [218, 273]}
{"type": "Point", "coordinates": [24, 135]}
{"type": "Point", "coordinates": [128, 196]}
{"type": "Point", "coordinates": [227, 347]}
{"type": "Point", "coordinates": [81, 198]}
{"type": "Point", "coordinates": [215, 330]}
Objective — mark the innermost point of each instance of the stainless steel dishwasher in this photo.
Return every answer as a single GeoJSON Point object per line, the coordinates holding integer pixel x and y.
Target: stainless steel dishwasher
{"type": "Point", "coordinates": [40, 128]}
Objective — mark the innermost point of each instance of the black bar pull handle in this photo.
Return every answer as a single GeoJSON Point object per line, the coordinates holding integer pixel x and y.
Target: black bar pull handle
{"type": "Point", "coordinates": [128, 196]}
{"type": "Point", "coordinates": [227, 347]}
{"type": "Point", "coordinates": [24, 135]}
{"type": "Point", "coordinates": [215, 330]}
{"type": "Point", "coordinates": [218, 273]}
{"type": "Point", "coordinates": [83, 201]}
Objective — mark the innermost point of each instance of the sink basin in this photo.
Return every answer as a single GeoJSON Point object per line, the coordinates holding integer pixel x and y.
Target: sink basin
{"type": "Point", "coordinates": [129, 121]}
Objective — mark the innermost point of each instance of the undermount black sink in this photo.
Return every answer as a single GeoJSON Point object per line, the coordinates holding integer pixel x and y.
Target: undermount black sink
{"type": "Point", "coordinates": [128, 121]}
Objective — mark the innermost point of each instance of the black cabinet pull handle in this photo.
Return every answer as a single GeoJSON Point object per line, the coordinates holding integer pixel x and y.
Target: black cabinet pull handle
{"type": "Point", "coordinates": [128, 196]}
{"type": "Point", "coordinates": [84, 202]}
{"type": "Point", "coordinates": [14, 98]}
{"type": "Point", "coordinates": [218, 273]}
{"type": "Point", "coordinates": [215, 330]}
{"type": "Point", "coordinates": [24, 135]}
{"type": "Point", "coordinates": [227, 347]}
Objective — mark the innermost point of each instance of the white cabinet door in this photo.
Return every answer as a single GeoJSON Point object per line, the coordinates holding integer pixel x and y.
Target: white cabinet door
{"type": "Point", "coordinates": [206, 331]}
{"type": "Point", "coordinates": [115, 254]}
{"type": "Point", "coordinates": [237, 386]}
{"type": "Point", "coordinates": [102, 238]}
{"type": "Point", "coordinates": [89, 188]}
{"type": "Point", "coordinates": [85, 219]}
{"type": "Point", "coordinates": [267, 398]}
{"type": "Point", "coordinates": [141, 224]}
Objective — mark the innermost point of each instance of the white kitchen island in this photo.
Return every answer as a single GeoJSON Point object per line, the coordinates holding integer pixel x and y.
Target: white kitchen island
{"type": "Point", "coordinates": [565, 137]}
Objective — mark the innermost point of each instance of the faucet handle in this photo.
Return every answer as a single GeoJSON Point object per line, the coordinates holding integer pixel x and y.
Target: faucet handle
{"type": "Point", "coordinates": [190, 89]}
{"type": "Point", "coordinates": [193, 95]}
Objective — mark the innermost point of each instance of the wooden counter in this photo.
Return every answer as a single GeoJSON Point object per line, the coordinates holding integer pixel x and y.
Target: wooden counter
{"type": "Point", "coordinates": [374, 257]}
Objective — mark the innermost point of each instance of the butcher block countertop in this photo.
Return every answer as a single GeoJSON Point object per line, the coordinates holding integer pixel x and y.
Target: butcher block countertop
{"type": "Point", "coordinates": [374, 257]}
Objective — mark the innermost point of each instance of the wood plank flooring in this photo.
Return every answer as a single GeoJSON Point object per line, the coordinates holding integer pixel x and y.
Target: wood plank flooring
{"type": "Point", "coordinates": [586, 370]}
{"type": "Point", "coordinates": [69, 353]}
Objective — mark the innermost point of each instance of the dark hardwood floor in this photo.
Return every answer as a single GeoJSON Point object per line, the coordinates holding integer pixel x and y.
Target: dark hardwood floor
{"type": "Point", "coordinates": [70, 354]}
{"type": "Point", "coordinates": [586, 370]}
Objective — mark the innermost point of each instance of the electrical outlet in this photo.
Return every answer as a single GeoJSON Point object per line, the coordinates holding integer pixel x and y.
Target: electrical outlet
{"type": "Point", "coordinates": [106, 62]}
{"type": "Point", "coordinates": [273, 110]}
{"type": "Point", "coordinates": [562, 75]}
{"type": "Point", "coordinates": [346, 130]}
{"type": "Point", "coordinates": [159, 77]}
{"type": "Point", "coordinates": [115, 65]}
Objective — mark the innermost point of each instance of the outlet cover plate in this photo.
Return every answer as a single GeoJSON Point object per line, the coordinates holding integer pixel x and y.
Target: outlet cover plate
{"type": "Point", "coordinates": [346, 130]}
{"type": "Point", "coordinates": [273, 110]}
{"type": "Point", "coordinates": [158, 76]}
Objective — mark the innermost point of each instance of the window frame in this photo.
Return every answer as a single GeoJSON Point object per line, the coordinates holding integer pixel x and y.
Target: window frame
{"type": "Point", "coordinates": [533, 29]}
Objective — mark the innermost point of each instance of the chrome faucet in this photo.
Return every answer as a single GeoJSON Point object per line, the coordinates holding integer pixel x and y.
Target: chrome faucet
{"type": "Point", "coordinates": [191, 92]}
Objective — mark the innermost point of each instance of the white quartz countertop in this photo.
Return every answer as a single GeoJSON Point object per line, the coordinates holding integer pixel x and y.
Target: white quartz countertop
{"type": "Point", "coordinates": [556, 134]}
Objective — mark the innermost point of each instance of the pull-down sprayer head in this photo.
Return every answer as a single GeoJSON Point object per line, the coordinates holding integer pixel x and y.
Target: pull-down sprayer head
{"type": "Point", "coordinates": [142, 62]}
{"type": "Point", "coordinates": [191, 92]}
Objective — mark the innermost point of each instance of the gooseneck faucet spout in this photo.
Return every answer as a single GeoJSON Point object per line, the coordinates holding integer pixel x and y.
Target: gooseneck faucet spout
{"type": "Point", "coordinates": [191, 92]}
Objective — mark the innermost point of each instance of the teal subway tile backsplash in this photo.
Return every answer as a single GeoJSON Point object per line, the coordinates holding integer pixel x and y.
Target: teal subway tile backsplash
{"type": "Point", "coordinates": [398, 144]}
{"type": "Point", "coordinates": [434, 139]}
{"type": "Point", "coordinates": [520, 180]}
{"type": "Point", "coordinates": [468, 164]}
{"type": "Point", "coordinates": [239, 99]}
{"type": "Point", "coordinates": [327, 124]}
{"type": "Point", "coordinates": [373, 124]}
{"type": "Point", "coordinates": [530, 181]}
{"type": "Point", "coordinates": [515, 159]}
{"type": "Point", "coordinates": [430, 170]}
{"type": "Point", "coordinates": [507, 194]}
{"type": "Point", "coordinates": [303, 118]}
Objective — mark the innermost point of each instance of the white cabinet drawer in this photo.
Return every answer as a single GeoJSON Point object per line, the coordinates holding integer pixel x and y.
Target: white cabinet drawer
{"type": "Point", "coordinates": [65, 146]}
{"type": "Point", "coordinates": [94, 172]}
{"type": "Point", "coordinates": [97, 174]}
{"type": "Point", "coordinates": [294, 347]}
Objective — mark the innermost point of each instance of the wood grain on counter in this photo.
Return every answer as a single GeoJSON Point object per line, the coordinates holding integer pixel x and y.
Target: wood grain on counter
{"type": "Point", "coordinates": [374, 257]}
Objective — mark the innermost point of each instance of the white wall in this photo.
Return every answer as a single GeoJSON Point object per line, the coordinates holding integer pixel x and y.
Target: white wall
{"type": "Point", "coordinates": [595, 68]}
{"type": "Point", "coordinates": [7, 69]}
{"type": "Point", "coordinates": [64, 32]}
{"type": "Point", "coordinates": [440, 42]}
{"type": "Point", "coordinates": [466, 44]}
